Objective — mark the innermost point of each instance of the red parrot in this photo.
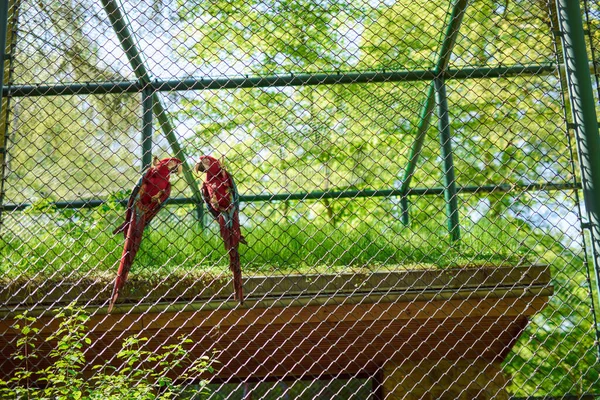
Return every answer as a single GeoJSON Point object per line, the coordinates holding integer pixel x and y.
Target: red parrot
{"type": "Point", "coordinates": [223, 202]}
{"type": "Point", "coordinates": [146, 199]}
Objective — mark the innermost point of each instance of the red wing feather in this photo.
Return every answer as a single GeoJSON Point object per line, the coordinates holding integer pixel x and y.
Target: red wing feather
{"type": "Point", "coordinates": [146, 199]}
{"type": "Point", "coordinates": [132, 198]}
{"type": "Point", "coordinates": [222, 200]}
{"type": "Point", "coordinates": [206, 198]}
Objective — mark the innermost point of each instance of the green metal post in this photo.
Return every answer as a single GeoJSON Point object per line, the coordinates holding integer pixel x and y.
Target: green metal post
{"type": "Point", "coordinates": [125, 38]}
{"type": "Point", "coordinates": [456, 17]}
{"type": "Point", "coordinates": [404, 216]}
{"type": "Point", "coordinates": [447, 158]}
{"type": "Point", "coordinates": [3, 132]}
{"type": "Point", "coordinates": [585, 120]}
{"type": "Point", "coordinates": [3, 32]}
{"type": "Point", "coordinates": [147, 103]}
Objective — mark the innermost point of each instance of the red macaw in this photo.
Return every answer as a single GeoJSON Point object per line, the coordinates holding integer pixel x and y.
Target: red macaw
{"type": "Point", "coordinates": [223, 202]}
{"type": "Point", "coordinates": [146, 199]}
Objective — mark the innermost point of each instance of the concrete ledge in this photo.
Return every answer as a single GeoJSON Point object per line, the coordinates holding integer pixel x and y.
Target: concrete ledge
{"type": "Point", "coordinates": [341, 324]}
{"type": "Point", "coordinates": [401, 285]}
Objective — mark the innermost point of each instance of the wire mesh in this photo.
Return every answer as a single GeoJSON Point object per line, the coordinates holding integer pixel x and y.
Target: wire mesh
{"type": "Point", "coordinates": [409, 188]}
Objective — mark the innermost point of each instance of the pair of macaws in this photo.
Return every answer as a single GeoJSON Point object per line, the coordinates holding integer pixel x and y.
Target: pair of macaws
{"type": "Point", "coordinates": [153, 189]}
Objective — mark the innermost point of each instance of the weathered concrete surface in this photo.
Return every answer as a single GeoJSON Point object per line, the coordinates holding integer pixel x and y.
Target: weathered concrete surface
{"type": "Point", "coordinates": [325, 325]}
{"type": "Point", "coordinates": [443, 379]}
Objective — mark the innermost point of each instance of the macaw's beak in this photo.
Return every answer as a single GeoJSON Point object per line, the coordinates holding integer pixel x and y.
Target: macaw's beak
{"type": "Point", "coordinates": [175, 168]}
{"type": "Point", "coordinates": [199, 168]}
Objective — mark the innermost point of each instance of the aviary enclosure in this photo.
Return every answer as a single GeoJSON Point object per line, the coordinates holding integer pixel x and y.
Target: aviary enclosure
{"type": "Point", "coordinates": [419, 190]}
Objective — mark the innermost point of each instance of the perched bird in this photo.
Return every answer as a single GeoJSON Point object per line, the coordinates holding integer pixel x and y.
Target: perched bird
{"type": "Point", "coordinates": [222, 200]}
{"type": "Point", "coordinates": [147, 197]}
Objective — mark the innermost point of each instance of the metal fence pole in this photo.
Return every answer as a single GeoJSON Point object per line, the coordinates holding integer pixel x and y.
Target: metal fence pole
{"type": "Point", "coordinates": [331, 194]}
{"type": "Point", "coordinates": [133, 55]}
{"type": "Point", "coordinates": [4, 7]}
{"type": "Point", "coordinates": [584, 117]}
{"type": "Point", "coordinates": [271, 81]}
{"type": "Point", "coordinates": [404, 212]}
{"type": "Point", "coordinates": [147, 103]}
{"type": "Point", "coordinates": [3, 31]}
{"type": "Point", "coordinates": [456, 17]}
{"type": "Point", "coordinates": [447, 158]}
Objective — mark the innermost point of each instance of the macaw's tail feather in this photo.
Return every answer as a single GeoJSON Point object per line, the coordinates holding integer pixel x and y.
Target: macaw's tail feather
{"type": "Point", "coordinates": [230, 232]}
{"type": "Point", "coordinates": [133, 238]}
{"type": "Point", "coordinates": [236, 270]}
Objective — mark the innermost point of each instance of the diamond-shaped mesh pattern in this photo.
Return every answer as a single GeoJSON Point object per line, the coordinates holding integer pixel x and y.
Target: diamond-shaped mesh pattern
{"type": "Point", "coordinates": [409, 191]}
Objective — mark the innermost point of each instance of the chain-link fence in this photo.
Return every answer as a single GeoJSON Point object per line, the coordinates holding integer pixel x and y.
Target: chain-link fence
{"type": "Point", "coordinates": [410, 191]}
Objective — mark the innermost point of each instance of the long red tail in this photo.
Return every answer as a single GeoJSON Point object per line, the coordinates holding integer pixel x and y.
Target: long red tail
{"type": "Point", "coordinates": [133, 238]}
{"type": "Point", "coordinates": [231, 238]}
{"type": "Point", "coordinates": [236, 270]}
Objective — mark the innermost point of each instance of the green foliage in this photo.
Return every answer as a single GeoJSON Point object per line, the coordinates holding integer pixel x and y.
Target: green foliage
{"type": "Point", "coordinates": [61, 136]}
{"type": "Point", "coordinates": [41, 206]}
{"type": "Point", "coordinates": [274, 35]}
{"type": "Point", "coordinates": [557, 353]}
{"type": "Point", "coordinates": [299, 139]}
{"type": "Point", "coordinates": [19, 386]}
{"type": "Point", "coordinates": [175, 244]}
{"type": "Point", "coordinates": [144, 374]}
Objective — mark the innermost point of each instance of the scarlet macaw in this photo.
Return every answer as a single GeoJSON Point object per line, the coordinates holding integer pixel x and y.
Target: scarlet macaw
{"type": "Point", "coordinates": [222, 200]}
{"type": "Point", "coordinates": [146, 199]}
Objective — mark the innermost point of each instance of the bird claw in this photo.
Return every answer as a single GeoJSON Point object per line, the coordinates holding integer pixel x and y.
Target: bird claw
{"type": "Point", "coordinates": [157, 196]}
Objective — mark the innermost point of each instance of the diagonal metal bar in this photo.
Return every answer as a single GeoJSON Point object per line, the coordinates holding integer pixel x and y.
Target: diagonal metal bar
{"type": "Point", "coordinates": [458, 12]}
{"type": "Point", "coordinates": [417, 146]}
{"type": "Point", "coordinates": [125, 38]}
